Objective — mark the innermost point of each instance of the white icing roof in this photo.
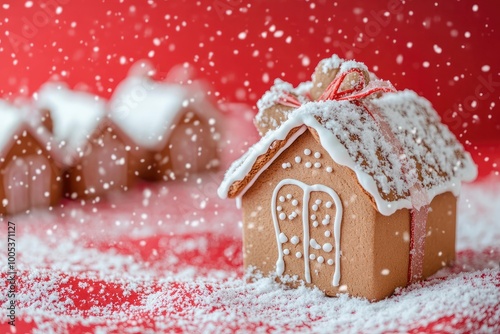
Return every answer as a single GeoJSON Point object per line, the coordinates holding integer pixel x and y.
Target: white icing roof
{"type": "Point", "coordinates": [10, 120]}
{"type": "Point", "coordinates": [146, 109]}
{"type": "Point", "coordinates": [75, 115]}
{"type": "Point", "coordinates": [352, 138]}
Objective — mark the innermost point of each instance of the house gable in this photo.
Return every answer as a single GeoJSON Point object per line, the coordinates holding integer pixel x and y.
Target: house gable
{"type": "Point", "coordinates": [25, 161]}
{"type": "Point", "coordinates": [357, 228]}
{"type": "Point", "coordinates": [191, 147]}
{"type": "Point", "coordinates": [105, 163]}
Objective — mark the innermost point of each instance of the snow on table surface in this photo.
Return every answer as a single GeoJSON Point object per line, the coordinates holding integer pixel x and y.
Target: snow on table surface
{"type": "Point", "coordinates": [106, 268]}
{"type": "Point", "coordinates": [167, 257]}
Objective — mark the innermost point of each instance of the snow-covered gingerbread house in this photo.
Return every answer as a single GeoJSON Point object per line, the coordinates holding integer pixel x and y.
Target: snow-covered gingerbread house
{"type": "Point", "coordinates": [29, 176]}
{"type": "Point", "coordinates": [173, 126]}
{"type": "Point", "coordinates": [96, 154]}
{"type": "Point", "coordinates": [353, 188]}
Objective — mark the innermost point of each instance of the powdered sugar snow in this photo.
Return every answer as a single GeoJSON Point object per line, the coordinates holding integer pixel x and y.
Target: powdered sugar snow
{"type": "Point", "coordinates": [167, 258]}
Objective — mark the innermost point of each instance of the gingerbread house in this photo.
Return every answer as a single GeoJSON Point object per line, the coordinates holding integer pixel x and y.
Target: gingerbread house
{"type": "Point", "coordinates": [97, 155]}
{"type": "Point", "coordinates": [29, 177]}
{"type": "Point", "coordinates": [352, 189]}
{"type": "Point", "coordinates": [174, 127]}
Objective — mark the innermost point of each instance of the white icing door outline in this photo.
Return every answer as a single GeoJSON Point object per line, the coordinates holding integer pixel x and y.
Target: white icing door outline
{"type": "Point", "coordinates": [280, 263]}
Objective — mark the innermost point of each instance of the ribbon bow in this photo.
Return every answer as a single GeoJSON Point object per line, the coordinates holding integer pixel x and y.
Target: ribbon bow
{"type": "Point", "coordinates": [333, 92]}
{"type": "Point", "coordinates": [359, 91]}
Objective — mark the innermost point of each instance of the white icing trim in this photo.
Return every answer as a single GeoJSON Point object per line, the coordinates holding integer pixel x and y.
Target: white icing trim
{"type": "Point", "coordinates": [340, 155]}
{"type": "Point", "coordinates": [306, 241]}
{"type": "Point", "coordinates": [292, 138]}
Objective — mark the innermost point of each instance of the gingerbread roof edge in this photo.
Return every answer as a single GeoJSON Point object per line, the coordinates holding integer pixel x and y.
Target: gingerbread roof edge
{"type": "Point", "coordinates": [425, 140]}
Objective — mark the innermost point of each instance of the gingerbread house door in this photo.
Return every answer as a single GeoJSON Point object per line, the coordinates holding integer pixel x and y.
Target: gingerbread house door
{"type": "Point", "coordinates": [307, 221]}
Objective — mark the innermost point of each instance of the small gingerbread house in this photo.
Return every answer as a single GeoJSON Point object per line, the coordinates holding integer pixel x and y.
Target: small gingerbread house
{"type": "Point", "coordinates": [97, 155]}
{"type": "Point", "coordinates": [29, 177]}
{"type": "Point", "coordinates": [352, 191]}
{"type": "Point", "coordinates": [173, 126]}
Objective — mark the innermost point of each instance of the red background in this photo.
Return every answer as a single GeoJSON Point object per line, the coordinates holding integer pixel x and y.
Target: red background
{"type": "Point", "coordinates": [240, 46]}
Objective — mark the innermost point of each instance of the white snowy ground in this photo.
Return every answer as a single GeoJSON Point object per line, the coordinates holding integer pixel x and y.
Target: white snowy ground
{"type": "Point", "coordinates": [146, 264]}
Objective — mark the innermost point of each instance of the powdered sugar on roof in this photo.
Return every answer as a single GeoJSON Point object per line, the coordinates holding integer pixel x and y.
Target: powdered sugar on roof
{"type": "Point", "coordinates": [10, 120]}
{"type": "Point", "coordinates": [146, 110]}
{"type": "Point", "coordinates": [353, 139]}
{"type": "Point", "coordinates": [329, 64]}
{"type": "Point", "coordinates": [75, 115]}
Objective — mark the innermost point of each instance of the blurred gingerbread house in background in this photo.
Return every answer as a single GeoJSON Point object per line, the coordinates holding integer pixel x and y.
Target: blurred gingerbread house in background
{"type": "Point", "coordinates": [353, 187]}
{"type": "Point", "coordinates": [96, 154]}
{"type": "Point", "coordinates": [29, 176]}
{"type": "Point", "coordinates": [173, 126]}
{"type": "Point", "coordinates": [74, 143]}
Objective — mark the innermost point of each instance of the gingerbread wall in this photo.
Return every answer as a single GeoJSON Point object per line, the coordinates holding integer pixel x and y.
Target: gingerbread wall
{"type": "Point", "coordinates": [28, 176]}
{"type": "Point", "coordinates": [191, 148]}
{"type": "Point", "coordinates": [107, 164]}
{"type": "Point", "coordinates": [357, 228]}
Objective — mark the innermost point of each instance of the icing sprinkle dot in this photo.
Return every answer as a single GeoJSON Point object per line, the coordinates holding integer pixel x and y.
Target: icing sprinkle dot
{"type": "Point", "coordinates": [314, 244]}
{"type": "Point", "coordinates": [328, 234]}
{"type": "Point", "coordinates": [289, 196]}
{"type": "Point", "coordinates": [317, 164]}
{"type": "Point", "coordinates": [327, 247]}
{"type": "Point", "coordinates": [315, 207]}
{"type": "Point", "coordinates": [385, 272]}
{"type": "Point", "coordinates": [295, 202]}
{"type": "Point", "coordinates": [315, 223]}
{"type": "Point", "coordinates": [279, 208]}
{"type": "Point", "coordinates": [295, 240]}
{"type": "Point", "coordinates": [320, 259]}
{"type": "Point", "coordinates": [286, 165]}
{"type": "Point", "coordinates": [282, 238]}
{"type": "Point", "coordinates": [318, 201]}
{"type": "Point", "coordinates": [286, 251]}
{"type": "Point", "coordinates": [329, 169]}
{"type": "Point", "coordinates": [307, 151]}
{"type": "Point", "coordinates": [325, 221]}
{"type": "Point", "coordinates": [312, 256]}
{"type": "Point", "coordinates": [313, 217]}
{"type": "Point", "coordinates": [282, 216]}
{"type": "Point", "coordinates": [298, 255]}
{"type": "Point", "coordinates": [308, 164]}
{"type": "Point", "coordinates": [317, 155]}
{"type": "Point", "coordinates": [328, 204]}
{"type": "Point", "coordinates": [282, 199]}
{"type": "Point", "coordinates": [330, 262]}
{"type": "Point", "coordinates": [298, 159]}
